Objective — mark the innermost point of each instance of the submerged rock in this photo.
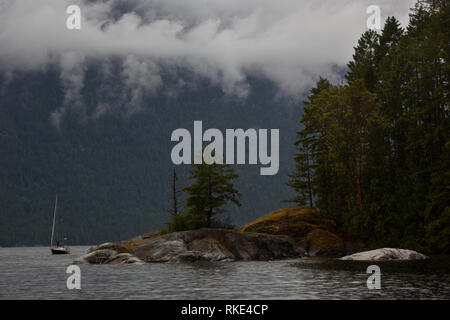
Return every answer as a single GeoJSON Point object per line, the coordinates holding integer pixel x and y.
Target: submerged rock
{"type": "Point", "coordinates": [313, 232]}
{"type": "Point", "coordinates": [386, 254]}
{"type": "Point", "coordinates": [217, 245]}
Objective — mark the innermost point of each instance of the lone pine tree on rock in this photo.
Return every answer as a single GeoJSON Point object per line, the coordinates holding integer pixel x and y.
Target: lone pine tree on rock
{"type": "Point", "coordinates": [212, 189]}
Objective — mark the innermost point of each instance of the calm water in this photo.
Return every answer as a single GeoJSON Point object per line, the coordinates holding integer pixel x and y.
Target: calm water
{"type": "Point", "coordinates": [33, 273]}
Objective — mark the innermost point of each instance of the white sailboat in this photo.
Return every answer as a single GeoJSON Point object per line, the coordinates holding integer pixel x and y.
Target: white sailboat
{"type": "Point", "coordinates": [59, 248]}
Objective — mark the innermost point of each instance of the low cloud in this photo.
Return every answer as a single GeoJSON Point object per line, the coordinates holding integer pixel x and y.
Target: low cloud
{"type": "Point", "coordinates": [290, 42]}
{"type": "Point", "coordinates": [72, 78]}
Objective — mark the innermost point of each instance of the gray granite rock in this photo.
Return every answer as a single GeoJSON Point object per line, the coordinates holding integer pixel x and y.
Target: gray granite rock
{"type": "Point", "coordinates": [198, 245]}
{"type": "Point", "coordinates": [217, 245]}
{"type": "Point", "coordinates": [386, 254]}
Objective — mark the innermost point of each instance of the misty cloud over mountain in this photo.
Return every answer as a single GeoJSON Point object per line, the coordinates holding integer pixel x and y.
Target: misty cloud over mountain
{"type": "Point", "coordinates": [289, 42]}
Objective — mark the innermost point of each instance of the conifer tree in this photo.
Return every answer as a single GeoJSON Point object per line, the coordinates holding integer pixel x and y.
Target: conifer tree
{"type": "Point", "coordinates": [211, 190]}
{"type": "Point", "coordinates": [378, 148]}
{"type": "Point", "coordinates": [363, 66]}
{"type": "Point", "coordinates": [300, 179]}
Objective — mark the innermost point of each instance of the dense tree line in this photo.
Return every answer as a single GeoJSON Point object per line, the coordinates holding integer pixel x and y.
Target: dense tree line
{"type": "Point", "coordinates": [374, 153]}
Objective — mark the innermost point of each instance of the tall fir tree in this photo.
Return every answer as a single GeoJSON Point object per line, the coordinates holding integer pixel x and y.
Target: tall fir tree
{"type": "Point", "coordinates": [363, 66]}
{"type": "Point", "coordinates": [301, 178]}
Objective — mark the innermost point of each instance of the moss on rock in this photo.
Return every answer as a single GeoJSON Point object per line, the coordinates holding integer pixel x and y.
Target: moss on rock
{"type": "Point", "coordinates": [323, 242]}
{"type": "Point", "coordinates": [307, 226]}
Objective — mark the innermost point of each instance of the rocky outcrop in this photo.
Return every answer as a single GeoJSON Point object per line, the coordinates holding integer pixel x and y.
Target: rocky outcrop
{"type": "Point", "coordinates": [107, 256]}
{"type": "Point", "coordinates": [285, 233]}
{"type": "Point", "coordinates": [386, 254]}
{"type": "Point", "coordinates": [217, 245]}
{"type": "Point", "coordinates": [312, 232]}
{"type": "Point", "coordinates": [197, 245]}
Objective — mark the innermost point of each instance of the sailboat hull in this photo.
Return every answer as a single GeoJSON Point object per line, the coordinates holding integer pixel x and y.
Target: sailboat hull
{"type": "Point", "coordinates": [60, 250]}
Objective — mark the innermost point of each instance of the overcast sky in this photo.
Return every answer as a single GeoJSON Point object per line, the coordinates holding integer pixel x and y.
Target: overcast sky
{"type": "Point", "coordinates": [291, 42]}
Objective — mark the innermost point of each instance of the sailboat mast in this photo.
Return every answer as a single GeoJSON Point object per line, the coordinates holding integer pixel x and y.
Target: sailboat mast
{"type": "Point", "coordinates": [54, 220]}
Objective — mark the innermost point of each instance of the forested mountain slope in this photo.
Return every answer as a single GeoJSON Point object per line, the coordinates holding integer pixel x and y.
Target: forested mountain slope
{"type": "Point", "coordinates": [112, 173]}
